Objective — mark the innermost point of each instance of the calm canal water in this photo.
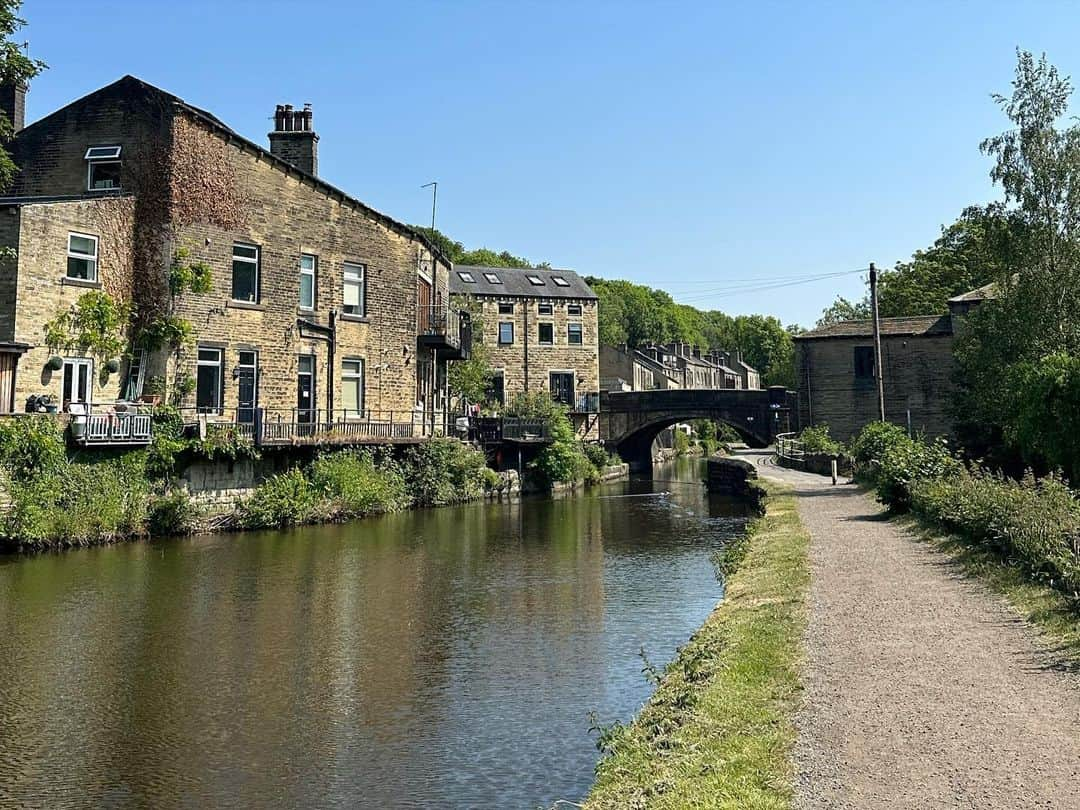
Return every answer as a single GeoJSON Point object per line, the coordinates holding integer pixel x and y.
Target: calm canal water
{"type": "Point", "coordinates": [445, 658]}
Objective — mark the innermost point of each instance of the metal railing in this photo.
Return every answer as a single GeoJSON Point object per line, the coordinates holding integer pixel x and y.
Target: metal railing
{"type": "Point", "coordinates": [493, 429]}
{"type": "Point", "coordinates": [790, 448]}
{"type": "Point", "coordinates": [127, 427]}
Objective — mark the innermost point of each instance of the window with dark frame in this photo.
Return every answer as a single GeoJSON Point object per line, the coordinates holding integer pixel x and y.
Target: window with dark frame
{"type": "Point", "coordinates": [573, 310]}
{"type": "Point", "coordinates": [209, 380]}
{"type": "Point", "coordinates": [245, 273]}
{"type": "Point", "coordinates": [103, 168]}
{"type": "Point", "coordinates": [544, 309]}
{"type": "Point", "coordinates": [547, 334]}
{"type": "Point", "coordinates": [864, 362]}
{"type": "Point", "coordinates": [506, 333]}
{"type": "Point", "coordinates": [492, 278]}
{"type": "Point", "coordinates": [573, 334]}
{"type": "Point", "coordinates": [506, 309]}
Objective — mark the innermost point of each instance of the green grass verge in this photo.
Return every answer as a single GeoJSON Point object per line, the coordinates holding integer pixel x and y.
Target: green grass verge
{"type": "Point", "coordinates": [1050, 611]}
{"type": "Point", "coordinates": [719, 730]}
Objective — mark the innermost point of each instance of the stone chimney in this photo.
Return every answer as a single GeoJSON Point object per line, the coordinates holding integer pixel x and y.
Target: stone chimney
{"type": "Point", "coordinates": [294, 140]}
{"type": "Point", "coordinates": [13, 104]}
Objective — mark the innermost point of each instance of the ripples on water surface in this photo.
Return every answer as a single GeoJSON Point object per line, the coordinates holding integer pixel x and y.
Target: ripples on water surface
{"type": "Point", "coordinates": [444, 658]}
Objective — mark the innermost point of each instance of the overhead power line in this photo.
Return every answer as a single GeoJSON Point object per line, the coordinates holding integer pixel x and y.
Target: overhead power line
{"type": "Point", "coordinates": [743, 289]}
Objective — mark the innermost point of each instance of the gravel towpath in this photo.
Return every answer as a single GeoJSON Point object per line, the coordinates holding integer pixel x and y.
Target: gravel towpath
{"type": "Point", "coordinates": [922, 688]}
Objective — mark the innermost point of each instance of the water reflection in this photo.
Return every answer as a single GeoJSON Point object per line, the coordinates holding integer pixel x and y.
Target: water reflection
{"type": "Point", "coordinates": [430, 659]}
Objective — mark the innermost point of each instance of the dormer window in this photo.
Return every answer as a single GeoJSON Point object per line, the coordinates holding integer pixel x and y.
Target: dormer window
{"type": "Point", "coordinates": [536, 281]}
{"type": "Point", "coordinates": [492, 278]}
{"type": "Point", "coordinates": [103, 168]}
{"type": "Point", "coordinates": [560, 281]}
{"type": "Point", "coordinates": [466, 277]}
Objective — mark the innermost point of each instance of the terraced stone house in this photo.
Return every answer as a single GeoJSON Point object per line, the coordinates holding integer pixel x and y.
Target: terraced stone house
{"type": "Point", "coordinates": [541, 331]}
{"type": "Point", "coordinates": [320, 308]}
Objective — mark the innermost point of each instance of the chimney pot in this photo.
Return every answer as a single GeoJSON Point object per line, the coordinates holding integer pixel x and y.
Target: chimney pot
{"type": "Point", "coordinates": [293, 139]}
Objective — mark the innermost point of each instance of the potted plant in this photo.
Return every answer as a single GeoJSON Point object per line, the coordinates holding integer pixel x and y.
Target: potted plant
{"type": "Point", "coordinates": [48, 402]}
{"type": "Point", "coordinates": [153, 391]}
{"type": "Point", "coordinates": [112, 366]}
{"type": "Point", "coordinates": [56, 362]}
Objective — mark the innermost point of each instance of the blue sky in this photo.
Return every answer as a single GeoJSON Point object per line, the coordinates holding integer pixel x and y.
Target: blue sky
{"type": "Point", "coordinates": [688, 146]}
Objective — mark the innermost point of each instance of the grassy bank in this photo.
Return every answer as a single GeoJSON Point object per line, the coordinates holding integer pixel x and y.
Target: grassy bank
{"type": "Point", "coordinates": [718, 732]}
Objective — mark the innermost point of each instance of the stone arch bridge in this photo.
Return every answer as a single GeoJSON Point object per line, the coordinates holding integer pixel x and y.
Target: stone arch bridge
{"type": "Point", "coordinates": [631, 420]}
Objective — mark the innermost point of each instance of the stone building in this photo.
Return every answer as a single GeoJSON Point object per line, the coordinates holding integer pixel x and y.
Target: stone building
{"type": "Point", "coordinates": [319, 307]}
{"type": "Point", "coordinates": [626, 369]}
{"type": "Point", "coordinates": [676, 365]}
{"type": "Point", "coordinates": [834, 366]}
{"type": "Point", "coordinates": [540, 329]}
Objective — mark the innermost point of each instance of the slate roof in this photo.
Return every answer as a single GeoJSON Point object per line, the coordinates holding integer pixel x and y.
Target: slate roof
{"type": "Point", "coordinates": [986, 292]}
{"type": "Point", "coordinates": [514, 282]}
{"type": "Point", "coordinates": [923, 325]}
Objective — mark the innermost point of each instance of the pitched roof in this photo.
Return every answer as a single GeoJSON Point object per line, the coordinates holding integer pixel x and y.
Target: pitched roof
{"type": "Point", "coordinates": [922, 325]}
{"type": "Point", "coordinates": [982, 293]}
{"type": "Point", "coordinates": [513, 282]}
{"type": "Point", "coordinates": [233, 136]}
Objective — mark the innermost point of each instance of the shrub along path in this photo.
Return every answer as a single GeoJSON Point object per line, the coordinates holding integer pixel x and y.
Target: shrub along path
{"type": "Point", "coordinates": [922, 688]}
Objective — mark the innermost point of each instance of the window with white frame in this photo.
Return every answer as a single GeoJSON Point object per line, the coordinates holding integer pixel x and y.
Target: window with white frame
{"type": "Point", "coordinates": [492, 278]}
{"type": "Point", "coordinates": [573, 334]}
{"type": "Point", "coordinates": [82, 257]}
{"type": "Point", "coordinates": [103, 168]}
{"type": "Point", "coordinates": [354, 302]}
{"type": "Point", "coordinates": [245, 273]}
{"type": "Point", "coordinates": [535, 280]}
{"type": "Point", "coordinates": [466, 277]}
{"type": "Point", "coordinates": [308, 263]}
{"type": "Point", "coordinates": [352, 387]}
{"type": "Point", "coordinates": [560, 281]}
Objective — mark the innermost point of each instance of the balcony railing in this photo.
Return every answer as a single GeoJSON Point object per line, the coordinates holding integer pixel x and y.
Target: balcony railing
{"type": "Point", "coordinates": [112, 428]}
{"type": "Point", "coordinates": [280, 427]}
{"type": "Point", "coordinates": [494, 429]}
{"type": "Point", "coordinates": [446, 328]}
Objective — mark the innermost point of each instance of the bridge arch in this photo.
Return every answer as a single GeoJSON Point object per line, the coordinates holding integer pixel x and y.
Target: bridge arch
{"type": "Point", "coordinates": [631, 421]}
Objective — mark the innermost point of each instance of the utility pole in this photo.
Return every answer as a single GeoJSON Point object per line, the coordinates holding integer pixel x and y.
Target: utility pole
{"type": "Point", "coordinates": [434, 186]}
{"type": "Point", "coordinates": [878, 370]}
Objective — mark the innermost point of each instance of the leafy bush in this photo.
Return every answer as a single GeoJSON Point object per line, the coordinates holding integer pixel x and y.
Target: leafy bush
{"type": "Point", "coordinates": [286, 499]}
{"type": "Point", "coordinates": [726, 434]}
{"type": "Point", "coordinates": [907, 461]}
{"type": "Point", "coordinates": [1033, 522]}
{"type": "Point", "coordinates": [445, 471]}
{"type": "Point", "coordinates": [870, 445]}
{"type": "Point", "coordinates": [32, 445]}
{"type": "Point", "coordinates": [166, 444]}
{"type": "Point", "coordinates": [816, 439]}
{"type": "Point", "coordinates": [353, 485]}
{"type": "Point", "coordinates": [682, 442]}
{"type": "Point", "coordinates": [597, 455]}
{"type": "Point", "coordinates": [173, 513]}
{"type": "Point", "coordinates": [563, 460]}
{"type": "Point", "coordinates": [78, 505]}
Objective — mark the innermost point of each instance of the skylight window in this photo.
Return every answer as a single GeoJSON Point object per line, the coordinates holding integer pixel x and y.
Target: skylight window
{"type": "Point", "coordinates": [492, 278]}
{"type": "Point", "coordinates": [536, 281]}
{"type": "Point", "coordinates": [103, 153]}
{"type": "Point", "coordinates": [560, 281]}
{"type": "Point", "coordinates": [466, 277]}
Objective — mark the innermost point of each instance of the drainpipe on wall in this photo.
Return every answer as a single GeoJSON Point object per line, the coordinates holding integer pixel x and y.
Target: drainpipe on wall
{"type": "Point", "coordinates": [525, 306]}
